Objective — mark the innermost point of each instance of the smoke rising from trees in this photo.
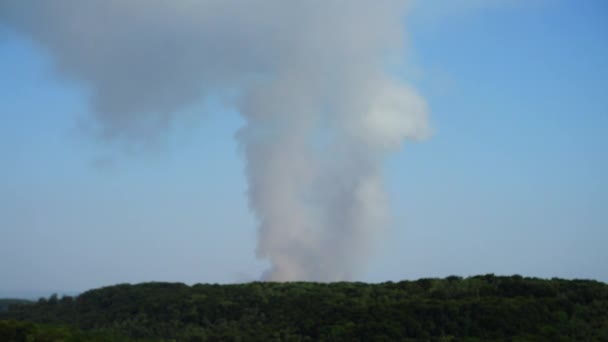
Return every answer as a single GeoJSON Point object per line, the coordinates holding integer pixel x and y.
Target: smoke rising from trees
{"type": "Point", "coordinates": [309, 77]}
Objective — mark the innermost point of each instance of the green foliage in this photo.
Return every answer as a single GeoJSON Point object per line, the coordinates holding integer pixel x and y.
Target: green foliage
{"type": "Point", "coordinates": [479, 308]}
{"type": "Point", "coordinates": [14, 331]}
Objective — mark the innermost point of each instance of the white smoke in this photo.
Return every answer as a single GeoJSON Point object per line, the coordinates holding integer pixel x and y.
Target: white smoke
{"type": "Point", "coordinates": [311, 81]}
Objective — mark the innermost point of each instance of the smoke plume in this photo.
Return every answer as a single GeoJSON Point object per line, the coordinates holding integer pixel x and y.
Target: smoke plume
{"type": "Point", "coordinates": [309, 77]}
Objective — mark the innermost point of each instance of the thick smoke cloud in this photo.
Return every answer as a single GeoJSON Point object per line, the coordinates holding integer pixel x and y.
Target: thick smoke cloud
{"type": "Point", "coordinates": [309, 77]}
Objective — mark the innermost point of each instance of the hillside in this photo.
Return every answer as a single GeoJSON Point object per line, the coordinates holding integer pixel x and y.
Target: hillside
{"type": "Point", "coordinates": [477, 308]}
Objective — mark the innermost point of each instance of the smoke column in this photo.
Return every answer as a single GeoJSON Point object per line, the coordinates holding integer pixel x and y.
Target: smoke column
{"type": "Point", "coordinates": [309, 77]}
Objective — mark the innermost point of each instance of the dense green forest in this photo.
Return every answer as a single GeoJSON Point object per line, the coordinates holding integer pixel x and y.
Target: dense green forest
{"type": "Point", "coordinates": [30, 332]}
{"type": "Point", "coordinates": [480, 308]}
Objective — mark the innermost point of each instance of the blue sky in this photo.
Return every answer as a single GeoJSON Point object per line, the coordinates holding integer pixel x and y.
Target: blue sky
{"type": "Point", "coordinates": [513, 181]}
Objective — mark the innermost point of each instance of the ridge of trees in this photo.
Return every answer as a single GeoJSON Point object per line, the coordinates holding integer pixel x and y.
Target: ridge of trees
{"type": "Point", "coordinates": [478, 308]}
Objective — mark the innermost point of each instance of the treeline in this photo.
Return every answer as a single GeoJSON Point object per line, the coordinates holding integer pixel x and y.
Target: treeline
{"type": "Point", "coordinates": [477, 308]}
{"type": "Point", "coordinates": [5, 303]}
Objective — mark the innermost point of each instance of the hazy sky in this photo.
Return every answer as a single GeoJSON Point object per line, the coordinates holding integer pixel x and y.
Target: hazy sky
{"type": "Point", "coordinates": [514, 179]}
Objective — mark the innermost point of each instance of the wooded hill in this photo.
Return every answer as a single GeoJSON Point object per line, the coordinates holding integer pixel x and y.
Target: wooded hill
{"type": "Point", "coordinates": [477, 308]}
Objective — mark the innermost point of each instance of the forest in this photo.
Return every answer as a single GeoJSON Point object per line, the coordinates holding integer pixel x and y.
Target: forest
{"type": "Point", "coordinates": [478, 308]}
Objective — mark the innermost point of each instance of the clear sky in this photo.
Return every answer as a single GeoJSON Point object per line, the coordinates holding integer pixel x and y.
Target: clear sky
{"type": "Point", "coordinates": [514, 179]}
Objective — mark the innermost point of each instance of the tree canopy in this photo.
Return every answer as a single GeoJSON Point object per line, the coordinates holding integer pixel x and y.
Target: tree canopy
{"type": "Point", "coordinates": [477, 308]}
